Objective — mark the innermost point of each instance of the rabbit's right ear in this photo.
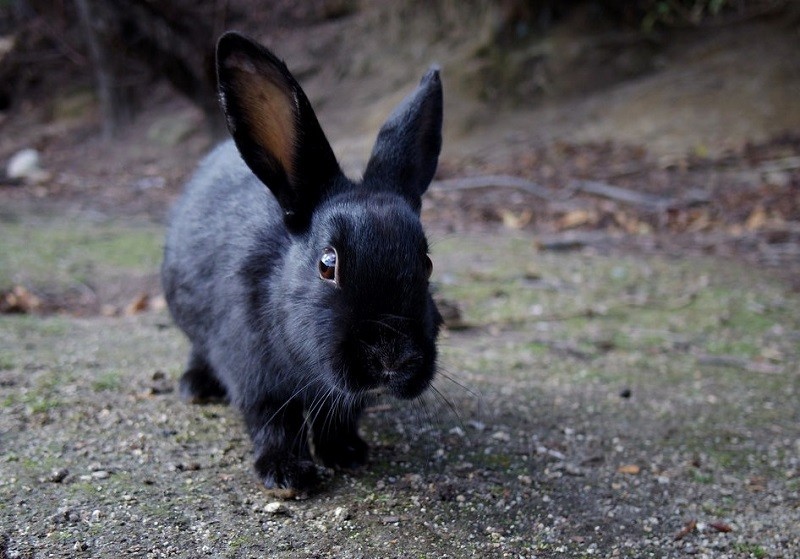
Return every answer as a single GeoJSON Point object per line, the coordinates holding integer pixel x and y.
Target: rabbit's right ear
{"type": "Point", "coordinates": [274, 127]}
{"type": "Point", "coordinates": [407, 150]}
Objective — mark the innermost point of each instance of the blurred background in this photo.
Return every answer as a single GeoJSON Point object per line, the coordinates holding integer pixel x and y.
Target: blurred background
{"type": "Point", "coordinates": [654, 124]}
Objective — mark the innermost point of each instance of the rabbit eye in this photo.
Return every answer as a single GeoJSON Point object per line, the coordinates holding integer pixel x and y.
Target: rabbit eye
{"type": "Point", "coordinates": [327, 265]}
{"type": "Point", "coordinates": [428, 266]}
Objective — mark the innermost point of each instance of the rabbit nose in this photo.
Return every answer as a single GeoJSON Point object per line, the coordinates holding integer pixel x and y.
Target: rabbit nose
{"type": "Point", "coordinates": [394, 366]}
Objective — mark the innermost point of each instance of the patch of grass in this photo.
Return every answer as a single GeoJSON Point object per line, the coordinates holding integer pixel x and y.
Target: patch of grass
{"type": "Point", "coordinates": [7, 361]}
{"type": "Point", "coordinates": [61, 253]}
{"type": "Point", "coordinates": [702, 477]}
{"type": "Point", "coordinates": [751, 549]}
{"type": "Point", "coordinates": [109, 380]}
{"type": "Point", "coordinates": [238, 543]}
{"type": "Point", "coordinates": [495, 460]}
{"type": "Point", "coordinates": [37, 401]}
{"type": "Point", "coordinates": [25, 326]}
{"type": "Point", "coordinates": [43, 404]}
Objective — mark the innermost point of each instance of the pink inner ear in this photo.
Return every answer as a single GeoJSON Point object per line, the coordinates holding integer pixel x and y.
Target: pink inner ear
{"type": "Point", "coordinates": [267, 106]}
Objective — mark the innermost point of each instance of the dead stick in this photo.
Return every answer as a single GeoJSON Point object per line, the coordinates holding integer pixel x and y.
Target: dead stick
{"type": "Point", "coordinates": [619, 194]}
{"type": "Point", "coordinates": [596, 188]}
{"type": "Point", "coordinates": [490, 181]}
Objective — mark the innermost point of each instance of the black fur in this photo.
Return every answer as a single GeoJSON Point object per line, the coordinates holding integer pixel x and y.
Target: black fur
{"type": "Point", "coordinates": [297, 354]}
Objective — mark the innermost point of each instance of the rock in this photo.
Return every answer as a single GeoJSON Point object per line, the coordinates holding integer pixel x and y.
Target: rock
{"type": "Point", "coordinates": [341, 514]}
{"type": "Point", "coordinates": [276, 508]}
{"type": "Point", "coordinates": [58, 475]}
{"type": "Point", "coordinates": [26, 165]}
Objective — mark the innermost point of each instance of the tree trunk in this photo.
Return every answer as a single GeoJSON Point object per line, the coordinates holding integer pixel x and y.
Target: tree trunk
{"type": "Point", "coordinates": [116, 99]}
{"type": "Point", "coordinates": [173, 40]}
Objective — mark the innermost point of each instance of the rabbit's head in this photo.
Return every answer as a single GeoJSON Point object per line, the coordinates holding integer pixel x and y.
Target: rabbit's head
{"type": "Point", "coordinates": [353, 286]}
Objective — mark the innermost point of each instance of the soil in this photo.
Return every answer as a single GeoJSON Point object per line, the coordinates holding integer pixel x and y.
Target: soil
{"type": "Point", "coordinates": [619, 377]}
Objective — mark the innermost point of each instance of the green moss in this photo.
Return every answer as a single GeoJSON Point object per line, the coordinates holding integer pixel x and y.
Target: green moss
{"type": "Point", "coordinates": [751, 549]}
{"type": "Point", "coordinates": [57, 253]}
{"type": "Point", "coordinates": [21, 328]}
{"type": "Point", "coordinates": [109, 380]}
{"type": "Point", "coordinates": [702, 477]}
{"type": "Point", "coordinates": [7, 361]}
{"type": "Point", "coordinates": [40, 404]}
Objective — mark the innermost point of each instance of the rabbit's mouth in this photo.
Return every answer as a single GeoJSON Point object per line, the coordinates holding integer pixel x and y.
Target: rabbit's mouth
{"type": "Point", "coordinates": [398, 368]}
{"type": "Point", "coordinates": [377, 391]}
{"type": "Point", "coordinates": [392, 354]}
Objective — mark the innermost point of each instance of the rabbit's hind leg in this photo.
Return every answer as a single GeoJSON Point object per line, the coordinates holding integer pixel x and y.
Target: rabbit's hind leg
{"type": "Point", "coordinates": [198, 384]}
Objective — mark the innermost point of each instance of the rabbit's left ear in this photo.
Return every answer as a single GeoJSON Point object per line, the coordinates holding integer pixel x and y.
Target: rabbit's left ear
{"type": "Point", "coordinates": [274, 127]}
{"type": "Point", "coordinates": [407, 150]}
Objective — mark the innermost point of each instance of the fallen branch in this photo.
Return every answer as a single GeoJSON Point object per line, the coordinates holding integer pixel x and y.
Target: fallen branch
{"type": "Point", "coordinates": [491, 181]}
{"type": "Point", "coordinates": [778, 165]}
{"type": "Point", "coordinates": [737, 363]}
{"type": "Point", "coordinates": [564, 348]}
{"type": "Point", "coordinates": [619, 194]}
{"type": "Point", "coordinates": [646, 201]}
{"type": "Point", "coordinates": [574, 240]}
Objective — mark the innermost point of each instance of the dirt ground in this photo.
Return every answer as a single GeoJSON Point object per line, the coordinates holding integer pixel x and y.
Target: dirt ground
{"type": "Point", "coordinates": [620, 377]}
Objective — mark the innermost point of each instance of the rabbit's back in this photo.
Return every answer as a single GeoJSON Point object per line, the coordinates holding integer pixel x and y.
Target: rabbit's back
{"type": "Point", "coordinates": [214, 226]}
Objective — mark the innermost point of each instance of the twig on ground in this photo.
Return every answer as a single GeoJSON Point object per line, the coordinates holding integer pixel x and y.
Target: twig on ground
{"type": "Point", "coordinates": [645, 201]}
{"type": "Point", "coordinates": [564, 347]}
{"type": "Point", "coordinates": [572, 240]}
{"type": "Point", "coordinates": [737, 363]}
{"type": "Point", "coordinates": [490, 181]}
{"type": "Point", "coordinates": [597, 188]}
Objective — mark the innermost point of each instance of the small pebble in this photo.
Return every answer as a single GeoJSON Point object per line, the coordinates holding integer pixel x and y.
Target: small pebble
{"type": "Point", "coordinates": [58, 475]}
{"type": "Point", "coordinates": [458, 431]}
{"type": "Point", "coordinates": [477, 425]}
{"type": "Point", "coordinates": [276, 508]}
{"type": "Point", "coordinates": [341, 514]}
{"type": "Point", "coordinates": [26, 165]}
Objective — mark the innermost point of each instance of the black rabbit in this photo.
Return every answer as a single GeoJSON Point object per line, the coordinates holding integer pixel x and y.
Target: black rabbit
{"type": "Point", "coordinates": [302, 304]}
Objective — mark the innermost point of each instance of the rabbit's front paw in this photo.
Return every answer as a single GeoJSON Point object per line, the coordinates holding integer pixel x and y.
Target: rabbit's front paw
{"type": "Point", "coordinates": [347, 453]}
{"type": "Point", "coordinates": [287, 475]}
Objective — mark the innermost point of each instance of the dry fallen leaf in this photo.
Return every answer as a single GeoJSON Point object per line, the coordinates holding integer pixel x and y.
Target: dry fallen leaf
{"type": "Point", "coordinates": [140, 304]}
{"type": "Point", "coordinates": [757, 219]}
{"type": "Point", "coordinates": [630, 469]}
{"type": "Point", "coordinates": [516, 221]}
{"type": "Point", "coordinates": [757, 484]}
{"type": "Point", "coordinates": [690, 527]}
{"type": "Point", "coordinates": [19, 300]}
{"type": "Point", "coordinates": [631, 224]}
{"type": "Point", "coordinates": [720, 527]}
{"type": "Point", "coordinates": [576, 218]}
{"type": "Point", "coordinates": [699, 221]}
